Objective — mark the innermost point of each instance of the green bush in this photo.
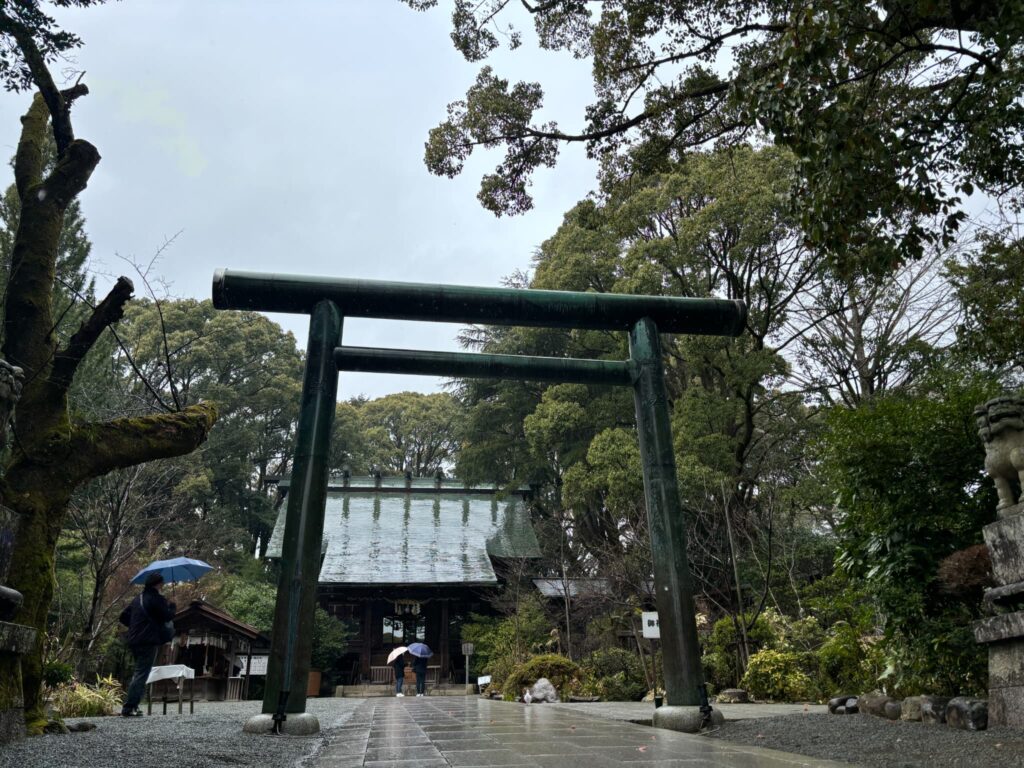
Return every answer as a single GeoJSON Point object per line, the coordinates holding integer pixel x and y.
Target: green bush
{"type": "Point", "coordinates": [57, 673]}
{"type": "Point", "coordinates": [719, 669]}
{"type": "Point", "coordinates": [81, 700]}
{"type": "Point", "coordinates": [617, 674]}
{"type": "Point", "coordinates": [778, 676]}
{"type": "Point", "coordinates": [503, 643]}
{"type": "Point", "coordinates": [846, 664]}
{"type": "Point", "coordinates": [563, 674]}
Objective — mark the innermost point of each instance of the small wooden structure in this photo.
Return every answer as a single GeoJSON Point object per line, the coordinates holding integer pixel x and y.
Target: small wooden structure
{"type": "Point", "coordinates": [216, 645]}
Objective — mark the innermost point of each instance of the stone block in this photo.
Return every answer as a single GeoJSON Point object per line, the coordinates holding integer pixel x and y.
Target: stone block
{"type": "Point", "coordinates": [1006, 664]}
{"type": "Point", "coordinates": [933, 709]}
{"type": "Point", "coordinates": [1005, 540]}
{"type": "Point", "coordinates": [852, 706]}
{"type": "Point", "coordinates": [967, 714]}
{"type": "Point", "coordinates": [994, 629]}
{"type": "Point", "coordinates": [892, 710]}
{"type": "Point", "coordinates": [911, 709]}
{"type": "Point", "coordinates": [16, 638]}
{"type": "Point", "coordinates": [1006, 706]}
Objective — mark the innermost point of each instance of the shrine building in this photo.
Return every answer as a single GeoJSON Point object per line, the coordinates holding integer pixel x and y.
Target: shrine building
{"type": "Point", "coordinates": [408, 559]}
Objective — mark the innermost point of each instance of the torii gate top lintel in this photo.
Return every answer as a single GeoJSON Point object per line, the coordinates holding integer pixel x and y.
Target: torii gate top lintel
{"type": "Point", "coordinates": [299, 294]}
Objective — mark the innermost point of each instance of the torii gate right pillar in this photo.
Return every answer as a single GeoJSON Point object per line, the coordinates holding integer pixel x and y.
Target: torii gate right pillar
{"type": "Point", "coordinates": [672, 581]}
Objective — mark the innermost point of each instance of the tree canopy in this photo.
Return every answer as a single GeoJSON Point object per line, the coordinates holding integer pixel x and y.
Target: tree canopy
{"type": "Point", "coordinates": [895, 110]}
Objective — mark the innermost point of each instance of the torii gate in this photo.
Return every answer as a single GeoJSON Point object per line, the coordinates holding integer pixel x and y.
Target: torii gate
{"type": "Point", "coordinates": [329, 300]}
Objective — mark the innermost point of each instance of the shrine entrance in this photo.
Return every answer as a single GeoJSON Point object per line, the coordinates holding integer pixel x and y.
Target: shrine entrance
{"type": "Point", "coordinates": [329, 300]}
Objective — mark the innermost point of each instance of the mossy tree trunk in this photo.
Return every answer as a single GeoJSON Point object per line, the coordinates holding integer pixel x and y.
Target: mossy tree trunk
{"type": "Point", "coordinates": [52, 454]}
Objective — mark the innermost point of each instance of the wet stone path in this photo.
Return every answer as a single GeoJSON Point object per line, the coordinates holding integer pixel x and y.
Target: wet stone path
{"type": "Point", "coordinates": [430, 732]}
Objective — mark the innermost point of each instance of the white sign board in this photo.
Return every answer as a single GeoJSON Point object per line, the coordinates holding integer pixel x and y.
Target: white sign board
{"type": "Point", "coordinates": [650, 624]}
{"type": "Point", "coordinates": [483, 680]}
{"type": "Point", "coordinates": [259, 665]}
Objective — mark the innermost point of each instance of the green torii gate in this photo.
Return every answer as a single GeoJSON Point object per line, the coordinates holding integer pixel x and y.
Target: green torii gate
{"type": "Point", "coordinates": [329, 300]}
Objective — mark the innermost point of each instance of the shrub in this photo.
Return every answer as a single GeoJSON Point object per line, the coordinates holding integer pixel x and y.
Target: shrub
{"type": "Point", "coordinates": [562, 673]}
{"type": "Point", "coordinates": [719, 669]}
{"type": "Point", "coordinates": [57, 673]}
{"type": "Point", "coordinates": [778, 676]}
{"type": "Point", "coordinates": [845, 663]}
{"type": "Point", "coordinates": [80, 700]}
{"type": "Point", "coordinates": [618, 674]}
{"type": "Point", "coordinates": [503, 643]}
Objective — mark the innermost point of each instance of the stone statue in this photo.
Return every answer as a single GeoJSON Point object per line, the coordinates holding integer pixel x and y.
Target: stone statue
{"type": "Point", "coordinates": [1001, 426]}
{"type": "Point", "coordinates": [11, 380]}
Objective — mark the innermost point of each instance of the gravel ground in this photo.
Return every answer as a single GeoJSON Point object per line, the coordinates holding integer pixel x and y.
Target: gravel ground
{"type": "Point", "coordinates": [873, 741]}
{"type": "Point", "coordinates": [211, 738]}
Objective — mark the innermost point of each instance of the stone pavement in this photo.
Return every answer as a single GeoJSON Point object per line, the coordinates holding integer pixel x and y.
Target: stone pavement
{"type": "Point", "coordinates": [431, 733]}
{"type": "Point", "coordinates": [641, 712]}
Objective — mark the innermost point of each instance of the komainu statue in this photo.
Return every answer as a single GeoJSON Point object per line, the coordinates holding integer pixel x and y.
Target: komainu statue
{"type": "Point", "coordinates": [1001, 425]}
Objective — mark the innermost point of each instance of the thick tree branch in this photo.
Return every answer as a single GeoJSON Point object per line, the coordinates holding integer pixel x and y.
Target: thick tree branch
{"type": "Point", "coordinates": [101, 448]}
{"type": "Point", "coordinates": [106, 313]}
{"type": "Point", "coordinates": [59, 111]}
{"type": "Point", "coordinates": [28, 161]}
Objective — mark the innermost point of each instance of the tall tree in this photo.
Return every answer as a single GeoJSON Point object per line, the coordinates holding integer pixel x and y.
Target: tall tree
{"type": "Point", "coordinates": [53, 452]}
{"type": "Point", "coordinates": [896, 109]}
{"type": "Point", "coordinates": [412, 432]}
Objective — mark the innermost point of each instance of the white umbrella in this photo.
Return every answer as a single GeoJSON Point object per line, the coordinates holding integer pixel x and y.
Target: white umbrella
{"type": "Point", "coordinates": [396, 653]}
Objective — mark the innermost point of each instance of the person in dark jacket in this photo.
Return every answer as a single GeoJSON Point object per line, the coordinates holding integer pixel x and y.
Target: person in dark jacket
{"type": "Point", "coordinates": [399, 666]}
{"type": "Point", "coordinates": [419, 666]}
{"type": "Point", "coordinates": [146, 619]}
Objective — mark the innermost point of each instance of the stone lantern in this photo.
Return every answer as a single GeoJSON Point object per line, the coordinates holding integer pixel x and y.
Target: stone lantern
{"type": "Point", "coordinates": [1000, 424]}
{"type": "Point", "coordinates": [15, 639]}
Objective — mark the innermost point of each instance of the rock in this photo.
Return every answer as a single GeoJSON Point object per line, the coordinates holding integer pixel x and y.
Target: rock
{"type": "Point", "coordinates": [733, 696]}
{"type": "Point", "coordinates": [893, 709]}
{"type": "Point", "coordinates": [911, 709]}
{"type": "Point", "coordinates": [933, 709]}
{"type": "Point", "coordinates": [873, 703]}
{"type": "Point", "coordinates": [685, 719]}
{"type": "Point", "coordinates": [55, 726]}
{"type": "Point", "coordinates": [852, 705]}
{"type": "Point", "coordinates": [840, 710]}
{"type": "Point", "coordinates": [838, 701]}
{"type": "Point", "coordinates": [82, 727]}
{"type": "Point", "coordinates": [967, 714]}
{"type": "Point", "coordinates": [543, 691]}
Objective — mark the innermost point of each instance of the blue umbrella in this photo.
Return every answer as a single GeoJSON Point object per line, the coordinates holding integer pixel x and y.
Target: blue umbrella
{"type": "Point", "coordinates": [421, 649]}
{"type": "Point", "coordinates": [175, 569]}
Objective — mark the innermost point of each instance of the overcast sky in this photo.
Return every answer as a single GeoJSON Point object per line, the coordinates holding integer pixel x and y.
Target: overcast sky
{"type": "Point", "coordinates": [288, 136]}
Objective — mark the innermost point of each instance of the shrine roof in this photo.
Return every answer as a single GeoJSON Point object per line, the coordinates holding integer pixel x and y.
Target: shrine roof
{"type": "Point", "coordinates": [418, 535]}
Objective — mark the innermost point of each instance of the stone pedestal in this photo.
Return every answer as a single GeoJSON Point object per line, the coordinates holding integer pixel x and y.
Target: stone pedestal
{"type": "Point", "coordinates": [1003, 633]}
{"type": "Point", "coordinates": [15, 641]}
{"type": "Point", "coordinates": [685, 718]}
{"type": "Point", "coordinates": [297, 724]}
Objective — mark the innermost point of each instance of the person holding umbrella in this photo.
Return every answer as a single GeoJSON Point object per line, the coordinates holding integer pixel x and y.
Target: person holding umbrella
{"type": "Point", "coordinates": [148, 619]}
{"type": "Point", "coordinates": [420, 652]}
{"type": "Point", "coordinates": [397, 660]}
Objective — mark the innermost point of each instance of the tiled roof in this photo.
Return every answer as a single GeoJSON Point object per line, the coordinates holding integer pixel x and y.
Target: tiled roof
{"type": "Point", "coordinates": [575, 587]}
{"type": "Point", "coordinates": [419, 538]}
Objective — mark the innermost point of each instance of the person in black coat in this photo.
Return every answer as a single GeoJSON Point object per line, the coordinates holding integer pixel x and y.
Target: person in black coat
{"type": "Point", "coordinates": [146, 619]}
{"type": "Point", "coordinates": [419, 666]}
{"type": "Point", "coordinates": [399, 667]}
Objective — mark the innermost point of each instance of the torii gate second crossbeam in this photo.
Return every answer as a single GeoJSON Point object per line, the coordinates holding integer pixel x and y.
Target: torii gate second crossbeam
{"type": "Point", "coordinates": [329, 300]}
